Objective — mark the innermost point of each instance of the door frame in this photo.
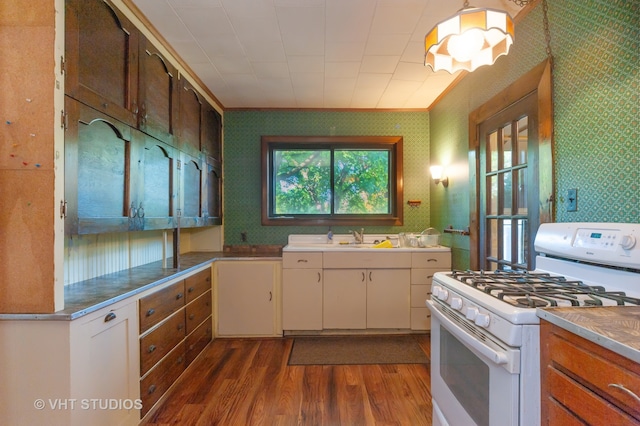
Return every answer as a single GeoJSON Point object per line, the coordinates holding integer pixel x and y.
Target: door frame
{"type": "Point", "coordinates": [539, 80]}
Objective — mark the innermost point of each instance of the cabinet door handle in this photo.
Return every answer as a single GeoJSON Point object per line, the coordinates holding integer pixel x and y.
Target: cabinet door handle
{"type": "Point", "coordinates": [270, 296]}
{"type": "Point", "coordinates": [151, 389]}
{"type": "Point", "coordinates": [624, 389]}
{"type": "Point", "coordinates": [110, 316]}
{"type": "Point", "coordinates": [370, 279]}
{"type": "Point", "coordinates": [179, 296]}
{"type": "Point", "coordinates": [319, 277]}
{"type": "Point", "coordinates": [151, 348]}
{"type": "Point", "coordinates": [364, 277]}
{"type": "Point", "coordinates": [151, 312]}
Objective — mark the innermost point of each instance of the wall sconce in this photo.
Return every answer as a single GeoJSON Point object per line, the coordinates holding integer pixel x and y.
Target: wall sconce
{"type": "Point", "coordinates": [437, 175]}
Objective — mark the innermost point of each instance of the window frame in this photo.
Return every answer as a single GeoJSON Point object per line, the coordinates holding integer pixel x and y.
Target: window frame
{"type": "Point", "coordinates": [392, 143]}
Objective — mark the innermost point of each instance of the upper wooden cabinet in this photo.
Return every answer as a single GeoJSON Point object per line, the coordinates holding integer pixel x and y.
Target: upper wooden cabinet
{"type": "Point", "coordinates": [211, 133]}
{"type": "Point", "coordinates": [189, 118]}
{"type": "Point", "coordinates": [101, 58]}
{"type": "Point", "coordinates": [158, 82]}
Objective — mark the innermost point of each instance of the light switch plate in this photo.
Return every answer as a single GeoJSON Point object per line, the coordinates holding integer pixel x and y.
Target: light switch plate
{"type": "Point", "coordinates": [572, 200]}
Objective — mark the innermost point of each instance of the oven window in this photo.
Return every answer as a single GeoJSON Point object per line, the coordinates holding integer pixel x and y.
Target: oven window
{"type": "Point", "coordinates": [466, 376]}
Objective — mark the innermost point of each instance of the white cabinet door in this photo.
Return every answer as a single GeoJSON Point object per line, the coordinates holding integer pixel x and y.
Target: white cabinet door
{"type": "Point", "coordinates": [105, 366]}
{"type": "Point", "coordinates": [388, 298]}
{"type": "Point", "coordinates": [246, 299]}
{"type": "Point", "coordinates": [302, 299]}
{"type": "Point", "coordinates": [344, 299]}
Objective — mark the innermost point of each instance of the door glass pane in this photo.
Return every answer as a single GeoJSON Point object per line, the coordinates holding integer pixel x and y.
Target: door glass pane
{"type": "Point", "coordinates": [506, 239]}
{"type": "Point", "coordinates": [507, 146]}
{"type": "Point", "coordinates": [492, 152]}
{"type": "Point", "coordinates": [522, 192]}
{"type": "Point", "coordinates": [523, 242]}
{"type": "Point", "coordinates": [466, 376]}
{"type": "Point", "coordinates": [507, 189]}
{"type": "Point", "coordinates": [523, 139]}
{"type": "Point", "coordinates": [492, 232]}
{"type": "Point", "coordinates": [493, 195]}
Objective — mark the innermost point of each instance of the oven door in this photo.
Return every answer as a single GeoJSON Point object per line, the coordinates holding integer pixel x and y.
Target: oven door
{"type": "Point", "coordinates": [474, 379]}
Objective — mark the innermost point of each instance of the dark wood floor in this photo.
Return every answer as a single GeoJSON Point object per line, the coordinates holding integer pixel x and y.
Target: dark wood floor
{"type": "Point", "coordinates": [248, 382]}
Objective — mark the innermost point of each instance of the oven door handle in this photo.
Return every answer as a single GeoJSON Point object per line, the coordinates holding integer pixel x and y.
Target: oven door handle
{"type": "Point", "coordinates": [496, 357]}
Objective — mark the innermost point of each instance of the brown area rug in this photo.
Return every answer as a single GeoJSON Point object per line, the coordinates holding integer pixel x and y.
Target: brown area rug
{"type": "Point", "coordinates": [335, 350]}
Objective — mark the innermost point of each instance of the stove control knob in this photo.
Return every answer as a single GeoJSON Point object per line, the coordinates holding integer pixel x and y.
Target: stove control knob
{"type": "Point", "coordinates": [443, 294]}
{"type": "Point", "coordinates": [482, 320]}
{"type": "Point", "coordinates": [472, 312]}
{"type": "Point", "coordinates": [628, 241]}
{"type": "Point", "coordinates": [456, 303]}
{"type": "Point", "coordinates": [435, 291]}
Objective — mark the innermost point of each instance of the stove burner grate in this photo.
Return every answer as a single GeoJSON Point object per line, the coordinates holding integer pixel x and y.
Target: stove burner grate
{"type": "Point", "coordinates": [539, 289]}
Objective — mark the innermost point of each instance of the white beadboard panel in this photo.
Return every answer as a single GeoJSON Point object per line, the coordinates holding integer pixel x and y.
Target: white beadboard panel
{"type": "Point", "coordinates": [89, 256]}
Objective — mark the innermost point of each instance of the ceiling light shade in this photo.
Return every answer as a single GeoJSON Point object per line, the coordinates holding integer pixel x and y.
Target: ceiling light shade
{"type": "Point", "coordinates": [472, 38]}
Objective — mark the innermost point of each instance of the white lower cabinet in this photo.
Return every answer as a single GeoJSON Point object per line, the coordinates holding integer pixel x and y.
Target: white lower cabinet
{"type": "Point", "coordinates": [247, 298]}
{"type": "Point", "coordinates": [76, 372]}
{"type": "Point", "coordinates": [302, 299]}
{"type": "Point", "coordinates": [388, 298]}
{"type": "Point", "coordinates": [344, 299]}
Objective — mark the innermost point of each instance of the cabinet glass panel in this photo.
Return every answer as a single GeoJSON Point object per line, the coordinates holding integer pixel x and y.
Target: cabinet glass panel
{"type": "Point", "coordinates": [192, 180]}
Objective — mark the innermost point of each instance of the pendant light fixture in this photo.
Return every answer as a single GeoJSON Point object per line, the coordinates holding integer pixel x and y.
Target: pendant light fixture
{"type": "Point", "coordinates": [474, 37]}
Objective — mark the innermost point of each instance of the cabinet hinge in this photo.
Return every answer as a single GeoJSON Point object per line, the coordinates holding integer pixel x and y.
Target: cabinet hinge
{"type": "Point", "coordinates": [179, 165]}
{"type": "Point", "coordinates": [63, 120]}
{"type": "Point", "coordinates": [62, 65]}
{"type": "Point", "coordinates": [63, 209]}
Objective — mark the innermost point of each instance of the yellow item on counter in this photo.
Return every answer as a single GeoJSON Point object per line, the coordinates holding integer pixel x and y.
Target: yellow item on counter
{"type": "Point", "coordinates": [384, 244]}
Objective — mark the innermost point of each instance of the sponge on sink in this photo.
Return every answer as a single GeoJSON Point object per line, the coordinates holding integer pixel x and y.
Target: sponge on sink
{"type": "Point", "coordinates": [384, 244]}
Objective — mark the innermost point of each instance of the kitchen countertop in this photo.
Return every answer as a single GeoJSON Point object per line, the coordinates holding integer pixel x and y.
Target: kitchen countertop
{"type": "Point", "coordinates": [616, 328]}
{"type": "Point", "coordinates": [91, 295]}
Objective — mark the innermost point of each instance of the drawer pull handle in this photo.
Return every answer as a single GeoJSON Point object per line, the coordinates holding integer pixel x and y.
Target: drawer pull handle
{"type": "Point", "coordinates": [178, 296]}
{"type": "Point", "coordinates": [432, 260]}
{"type": "Point", "coordinates": [191, 289]}
{"type": "Point", "coordinates": [192, 316]}
{"type": "Point", "coordinates": [180, 326]}
{"type": "Point", "coordinates": [180, 360]}
{"type": "Point", "coordinates": [151, 389]}
{"type": "Point", "coordinates": [110, 316]}
{"type": "Point", "coordinates": [622, 388]}
{"type": "Point", "coordinates": [151, 348]}
{"type": "Point", "coordinates": [151, 312]}
{"type": "Point", "coordinates": [302, 260]}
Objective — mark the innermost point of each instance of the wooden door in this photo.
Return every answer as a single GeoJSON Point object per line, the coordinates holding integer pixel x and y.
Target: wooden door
{"type": "Point", "coordinates": [190, 118]}
{"type": "Point", "coordinates": [211, 132]}
{"type": "Point", "coordinates": [158, 192]}
{"type": "Point", "coordinates": [101, 54]}
{"type": "Point", "coordinates": [158, 93]}
{"type": "Point", "coordinates": [212, 211]}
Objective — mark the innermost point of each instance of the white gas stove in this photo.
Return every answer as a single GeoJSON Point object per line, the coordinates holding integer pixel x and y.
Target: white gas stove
{"type": "Point", "coordinates": [488, 319]}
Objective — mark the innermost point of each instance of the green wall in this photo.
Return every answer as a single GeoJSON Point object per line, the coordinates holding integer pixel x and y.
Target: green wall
{"type": "Point", "coordinates": [596, 83]}
{"type": "Point", "coordinates": [242, 173]}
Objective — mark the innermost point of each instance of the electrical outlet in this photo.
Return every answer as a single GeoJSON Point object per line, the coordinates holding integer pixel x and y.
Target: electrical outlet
{"type": "Point", "coordinates": [243, 236]}
{"type": "Point", "coordinates": [572, 200]}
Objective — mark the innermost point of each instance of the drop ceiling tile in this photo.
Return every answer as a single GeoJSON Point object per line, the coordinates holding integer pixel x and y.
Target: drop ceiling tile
{"type": "Point", "coordinates": [397, 93]}
{"type": "Point", "coordinates": [191, 3]}
{"type": "Point", "coordinates": [164, 19]}
{"type": "Point", "coordinates": [348, 21]}
{"type": "Point", "coordinates": [232, 65]}
{"type": "Point", "coordinates": [269, 70]}
{"type": "Point", "coordinates": [387, 44]}
{"type": "Point", "coordinates": [341, 69]}
{"type": "Point", "coordinates": [344, 51]}
{"type": "Point", "coordinates": [411, 71]}
{"type": "Point", "coordinates": [379, 64]}
{"type": "Point", "coordinates": [306, 64]}
{"type": "Point", "coordinates": [302, 30]}
{"type": "Point", "coordinates": [206, 23]}
{"type": "Point", "coordinates": [397, 17]}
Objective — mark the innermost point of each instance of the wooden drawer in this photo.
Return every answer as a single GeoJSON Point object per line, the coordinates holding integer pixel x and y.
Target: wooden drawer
{"type": "Point", "coordinates": [419, 295]}
{"type": "Point", "coordinates": [597, 369]}
{"type": "Point", "coordinates": [156, 383]}
{"type": "Point", "coordinates": [197, 284]}
{"type": "Point", "coordinates": [161, 340]}
{"type": "Point", "coordinates": [382, 258]}
{"type": "Point", "coordinates": [302, 260]}
{"type": "Point", "coordinates": [422, 275]}
{"type": "Point", "coordinates": [160, 304]}
{"type": "Point", "coordinates": [198, 310]}
{"type": "Point", "coordinates": [197, 340]}
{"type": "Point", "coordinates": [440, 260]}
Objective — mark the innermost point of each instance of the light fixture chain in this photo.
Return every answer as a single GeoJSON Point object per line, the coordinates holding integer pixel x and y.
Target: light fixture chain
{"type": "Point", "coordinates": [522, 3]}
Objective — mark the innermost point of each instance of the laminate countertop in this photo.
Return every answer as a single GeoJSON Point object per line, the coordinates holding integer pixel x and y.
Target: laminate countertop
{"type": "Point", "coordinates": [91, 295]}
{"type": "Point", "coordinates": [616, 328]}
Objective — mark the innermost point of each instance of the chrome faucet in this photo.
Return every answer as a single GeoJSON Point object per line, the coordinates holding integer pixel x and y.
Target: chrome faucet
{"type": "Point", "coordinates": [358, 236]}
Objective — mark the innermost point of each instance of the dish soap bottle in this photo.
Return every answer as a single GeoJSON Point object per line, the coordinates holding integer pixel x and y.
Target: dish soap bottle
{"type": "Point", "coordinates": [330, 236]}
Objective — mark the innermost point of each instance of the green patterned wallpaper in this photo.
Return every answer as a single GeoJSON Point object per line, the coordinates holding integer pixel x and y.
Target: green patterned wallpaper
{"type": "Point", "coordinates": [596, 85]}
{"type": "Point", "coordinates": [242, 174]}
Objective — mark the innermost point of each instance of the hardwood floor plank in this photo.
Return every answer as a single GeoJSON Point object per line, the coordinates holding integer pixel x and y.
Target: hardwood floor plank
{"type": "Point", "coordinates": [248, 382]}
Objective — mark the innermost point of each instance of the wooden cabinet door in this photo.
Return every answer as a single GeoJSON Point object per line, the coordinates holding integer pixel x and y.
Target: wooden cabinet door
{"type": "Point", "coordinates": [189, 118]}
{"type": "Point", "coordinates": [246, 299]}
{"type": "Point", "coordinates": [190, 192]}
{"type": "Point", "coordinates": [211, 133]}
{"type": "Point", "coordinates": [302, 299]}
{"type": "Point", "coordinates": [157, 185]}
{"type": "Point", "coordinates": [344, 301]}
{"type": "Point", "coordinates": [388, 298]}
{"type": "Point", "coordinates": [98, 154]}
{"type": "Point", "coordinates": [101, 58]}
{"type": "Point", "coordinates": [212, 210]}
{"type": "Point", "coordinates": [158, 93]}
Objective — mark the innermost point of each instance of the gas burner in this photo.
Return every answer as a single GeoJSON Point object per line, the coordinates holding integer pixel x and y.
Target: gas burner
{"type": "Point", "coordinates": [539, 289]}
